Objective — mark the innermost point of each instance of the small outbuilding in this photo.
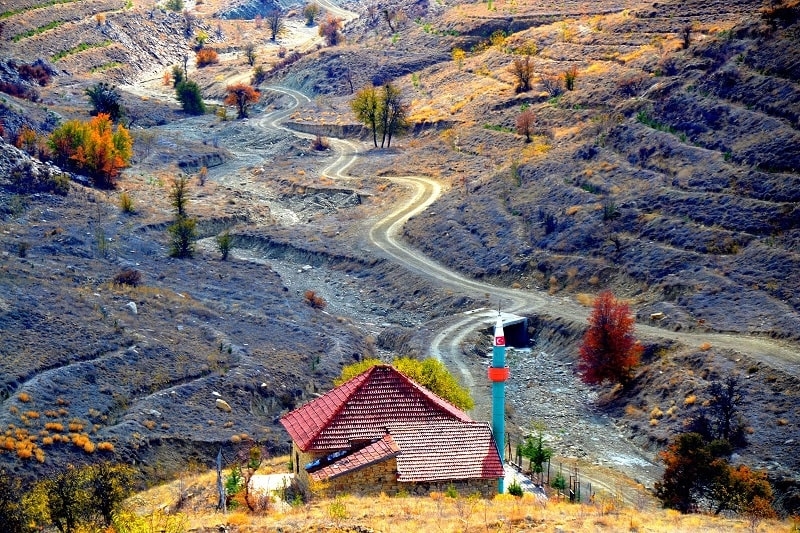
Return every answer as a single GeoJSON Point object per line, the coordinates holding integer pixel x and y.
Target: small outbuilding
{"type": "Point", "coordinates": [383, 432]}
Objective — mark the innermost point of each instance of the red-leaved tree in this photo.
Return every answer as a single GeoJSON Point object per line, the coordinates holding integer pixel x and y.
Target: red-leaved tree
{"type": "Point", "coordinates": [609, 351]}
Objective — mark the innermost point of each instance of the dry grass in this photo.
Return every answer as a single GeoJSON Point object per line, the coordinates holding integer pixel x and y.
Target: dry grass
{"type": "Point", "coordinates": [402, 514]}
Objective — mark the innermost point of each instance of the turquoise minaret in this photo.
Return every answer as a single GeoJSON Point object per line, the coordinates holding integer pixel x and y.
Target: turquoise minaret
{"type": "Point", "coordinates": [498, 374]}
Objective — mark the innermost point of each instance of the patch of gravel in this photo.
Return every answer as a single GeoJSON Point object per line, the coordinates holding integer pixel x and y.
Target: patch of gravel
{"type": "Point", "coordinates": [544, 388]}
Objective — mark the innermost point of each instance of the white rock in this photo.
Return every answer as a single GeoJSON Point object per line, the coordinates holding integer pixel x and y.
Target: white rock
{"type": "Point", "coordinates": [222, 405]}
{"type": "Point", "coordinates": [215, 393]}
{"type": "Point", "coordinates": [132, 307]}
{"type": "Point", "coordinates": [153, 412]}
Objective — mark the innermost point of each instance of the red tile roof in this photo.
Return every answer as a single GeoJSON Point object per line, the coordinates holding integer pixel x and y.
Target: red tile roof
{"type": "Point", "coordinates": [378, 451]}
{"type": "Point", "coordinates": [363, 407]}
{"type": "Point", "coordinates": [446, 450]}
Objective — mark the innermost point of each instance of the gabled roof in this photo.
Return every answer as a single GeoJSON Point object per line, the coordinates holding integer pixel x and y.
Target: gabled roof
{"type": "Point", "coordinates": [447, 450]}
{"type": "Point", "coordinates": [380, 450]}
{"type": "Point", "coordinates": [363, 408]}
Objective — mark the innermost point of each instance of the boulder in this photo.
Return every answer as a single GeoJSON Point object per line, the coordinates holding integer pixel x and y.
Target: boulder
{"type": "Point", "coordinates": [222, 405]}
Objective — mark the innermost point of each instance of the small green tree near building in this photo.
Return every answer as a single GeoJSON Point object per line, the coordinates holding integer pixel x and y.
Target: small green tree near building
{"type": "Point", "coordinates": [536, 452]}
{"type": "Point", "coordinates": [559, 483]}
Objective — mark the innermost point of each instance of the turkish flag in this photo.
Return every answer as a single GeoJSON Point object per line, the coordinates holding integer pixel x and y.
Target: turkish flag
{"type": "Point", "coordinates": [499, 341]}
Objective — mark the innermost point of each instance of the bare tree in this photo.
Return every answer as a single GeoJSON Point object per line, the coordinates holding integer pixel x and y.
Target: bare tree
{"type": "Point", "coordinates": [275, 23]}
{"type": "Point", "coordinates": [525, 121]}
{"type": "Point", "coordinates": [522, 69]}
{"type": "Point", "coordinates": [552, 84]}
{"type": "Point", "coordinates": [250, 53]}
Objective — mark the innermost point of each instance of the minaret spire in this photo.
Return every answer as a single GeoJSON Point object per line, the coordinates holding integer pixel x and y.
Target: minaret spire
{"type": "Point", "coordinates": [498, 374]}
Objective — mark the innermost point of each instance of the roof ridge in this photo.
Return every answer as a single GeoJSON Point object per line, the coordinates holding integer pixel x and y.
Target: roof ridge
{"type": "Point", "coordinates": [437, 400]}
{"type": "Point", "coordinates": [363, 377]}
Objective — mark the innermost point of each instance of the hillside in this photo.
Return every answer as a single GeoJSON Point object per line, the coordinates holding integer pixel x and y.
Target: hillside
{"type": "Point", "coordinates": [670, 174]}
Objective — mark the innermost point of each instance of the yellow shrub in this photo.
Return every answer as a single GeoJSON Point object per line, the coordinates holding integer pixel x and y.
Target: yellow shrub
{"type": "Point", "coordinates": [690, 400]}
{"type": "Point", "coordinates": [656, 412]}
{"type": "Point", "coordinates": [24, 397]}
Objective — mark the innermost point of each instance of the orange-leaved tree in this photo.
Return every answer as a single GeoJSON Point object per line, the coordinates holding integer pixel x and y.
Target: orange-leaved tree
{"type": "Point", "coordinates": [609, 351]}
{"type": "Point", "coordinates": [95, 148]}
{"type": "Point", "coordinates": [241, 95]}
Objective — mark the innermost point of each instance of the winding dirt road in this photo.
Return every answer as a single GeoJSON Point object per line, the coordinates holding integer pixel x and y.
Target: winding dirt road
{"type": "Point", "coordinates": [385, 237]}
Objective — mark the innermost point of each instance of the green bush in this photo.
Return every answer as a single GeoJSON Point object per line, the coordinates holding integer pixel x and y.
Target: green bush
{"type": "Point", "coordinates": [188, 94]}
{"type": "Point", "coordinates": [515, 489]}
{"type": "Point", "coordinates": [183, 232]}
{"type": "Point", "coordinates": [106, 98]}
{"type": "Point", "coordinates": [224, 244]}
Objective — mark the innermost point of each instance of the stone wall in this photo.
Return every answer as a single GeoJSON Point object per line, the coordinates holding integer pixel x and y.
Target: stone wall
{"type": "Point", "coordinates": [380, 477]}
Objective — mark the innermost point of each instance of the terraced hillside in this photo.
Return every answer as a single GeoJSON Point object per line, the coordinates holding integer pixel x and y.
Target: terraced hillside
{"type": "Point", "coordinates": [670, 172]}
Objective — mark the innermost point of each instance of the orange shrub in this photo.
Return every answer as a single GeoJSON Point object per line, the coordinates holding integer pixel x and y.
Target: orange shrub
{"type": "Point", "coordinates": [105, 447]}
{"type": "Point", "coordinates": [32, 414]}
{"type": "Point", "coordinates": [39, 455]}
{"type": "Point", "coordinates": [24, 453]}
{"type": "Point", "coordinates": [93, 147]}
{"type": "Point", "coordinates": [47, 441]}
{"type": "Point", "coordinates": [54, 426]}
{"type": "Point", "coordinates": [24, 397]}
{"type": "Point", "coordinates": [206, 56]}
{"type": "Point", "coordinates": [27, 140]}
{"type": "Point", "coordinates": [9, 444]}
{"type": "Point", "coordinates": [89, 446]}
{"type": "Point", "coordinates": [314, 300]}
{"type": "Point", "coordinates": [75, 426]}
